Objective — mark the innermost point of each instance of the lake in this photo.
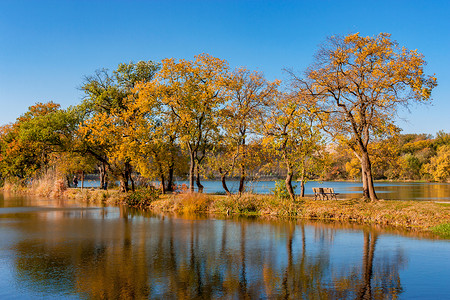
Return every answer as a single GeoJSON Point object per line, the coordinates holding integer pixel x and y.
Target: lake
{"type": "Point", "coordinates": [60, 249]}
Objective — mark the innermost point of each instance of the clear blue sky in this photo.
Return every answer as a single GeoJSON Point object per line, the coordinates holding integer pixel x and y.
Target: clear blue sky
{"type": "Point", "coordinates": [46, 47]}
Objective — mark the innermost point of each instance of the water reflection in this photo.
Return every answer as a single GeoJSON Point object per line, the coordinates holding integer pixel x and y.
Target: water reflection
{"type": "Point", "coordinates": [161, 257]}
{"type": "Point", "coordinates": [61, 250]}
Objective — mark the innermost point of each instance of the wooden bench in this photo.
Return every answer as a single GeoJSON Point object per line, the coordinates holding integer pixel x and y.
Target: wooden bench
{"type": "Point", "coordinates": [319, 193]}
{"type": "Point", "coordinates": [330, 192]}
{"type": "Point", "coordinates": [322, 193]}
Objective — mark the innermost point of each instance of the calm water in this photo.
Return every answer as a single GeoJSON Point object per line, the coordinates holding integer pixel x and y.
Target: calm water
{"type": "Point", "coordinates": [385, 190]}
{"type": "Point", "coordinates": [61, 249]}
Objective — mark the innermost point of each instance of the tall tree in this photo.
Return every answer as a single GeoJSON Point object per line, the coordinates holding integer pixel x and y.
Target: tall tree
{"type": "Point", "coordinates": [248, 94]}
{"type": "Point", "coordinates": [192, 93]}
{"type": "Point", "coordinates": [359, 83]}
{"type": "Point", "coordinates": [291, 134]}
{"type": "Point", "coordinates": [110, 117]}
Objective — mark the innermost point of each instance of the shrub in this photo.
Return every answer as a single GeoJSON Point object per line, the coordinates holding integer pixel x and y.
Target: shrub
{"type": "Point", "coordinates": [280, 190]}
{"type": "Point", "coordinates": [194, 203]}
{"type": "Point", "coordinates": [142, 197]}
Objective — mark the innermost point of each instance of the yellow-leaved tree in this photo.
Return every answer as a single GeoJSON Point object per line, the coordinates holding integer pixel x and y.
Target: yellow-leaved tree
{"type": "Point", "coordinates": [189, 96]}
{"type": "Point", "coordinates": [248, 94]}
{"type": "Point", "coordinates": [292, 135]}
{"type": "Point", "coordinates": [439, 166]}
{"type": "Point", "coordinates": [107, 133]}
{"type": "Point", "coordinates": [359, 82]}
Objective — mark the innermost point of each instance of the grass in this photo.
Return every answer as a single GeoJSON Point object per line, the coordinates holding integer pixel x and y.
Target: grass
{"type": "Point", "coordinates": [442, 230]}
{"type": "Point", "coordinates": [97, 196]}
{"type": "Point", "coordinates": [419, 215]}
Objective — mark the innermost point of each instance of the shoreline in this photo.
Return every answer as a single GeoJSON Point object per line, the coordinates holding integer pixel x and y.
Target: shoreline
{"type": "Point", "coordinates": [426, 216]}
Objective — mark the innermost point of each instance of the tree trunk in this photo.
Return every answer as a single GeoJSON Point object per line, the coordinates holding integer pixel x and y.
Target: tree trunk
{"type": "Point", "coordinates": [105, 187]}
{"type": "Point", "coordinates": [197, 178]}
{"type": "Point", "coordinates": [364, 182]}
{"type": "Point", "coordinates": [103, 176]}
{"type": "Point", "coordinates": [191, 172]}
{"type": "Point", "coordinates": [130, 175]}
{"type": "Point", "coordinates": [366, 174]}
{"type": "Point", "coordinates": [82, 180]}
{"type": "Point", "coordinates": [288, 182]}
{"type": "Point", "coordinates": [223, 176]}
{"type": "Point", "coordinates": [163, 184]}
{"type": "Point", "coordinates": [242, 181]}
{"type": "Point", "coordinates": [132, 182]}
{"type": "Point", "coordinates": [123, 179]}
{"type": "Point", "coordinates": [161, 177]}
{"type": "Point", "coordinates": [170, 177]}
{"type": "Point", "coordinates": [129, 172]}
{"type": "Point", "coordinates": [302, 185]}
{"type": "Point", "coordinates": [242, 168]}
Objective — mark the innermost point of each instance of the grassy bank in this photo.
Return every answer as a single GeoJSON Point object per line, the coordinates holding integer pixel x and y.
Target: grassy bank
{"type": "Point", "coordinates": [417, 215]}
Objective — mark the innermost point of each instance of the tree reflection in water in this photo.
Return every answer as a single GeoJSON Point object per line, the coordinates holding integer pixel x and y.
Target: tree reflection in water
{"type": "Point", "coordinates": [168, 258]}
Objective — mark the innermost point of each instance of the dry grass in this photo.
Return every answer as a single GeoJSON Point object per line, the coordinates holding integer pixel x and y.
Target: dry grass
{"type": "Point", "coordinates": [46, 185]}
{"type": "Point", "coordinates": [95, 196]}
{"type": "Point", "coordinates": [394, 213]}
{"type": "Point", "coordinates": [187, 203]}
{"type": "Point", "coordinates": [14, 187]}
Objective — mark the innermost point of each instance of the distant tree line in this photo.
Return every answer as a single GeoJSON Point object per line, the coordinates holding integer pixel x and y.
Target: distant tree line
{"type": "Point", "coordinates": [200, 119]}
{"type": "Point", "coordinates": [400, 157]}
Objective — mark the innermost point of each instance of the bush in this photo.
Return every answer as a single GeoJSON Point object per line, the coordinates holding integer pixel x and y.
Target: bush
{"type": "Point", "coordinates": [241, 204]}
{"type": "Point", "coordinates": [195, 203]}
{"type": "Point", "coordinates": [142, 197]}
{"type": "Point", "coordinates": [280, 190]}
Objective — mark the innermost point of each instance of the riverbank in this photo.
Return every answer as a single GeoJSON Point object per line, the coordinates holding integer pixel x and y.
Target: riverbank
{"type": "Point", "coordinates": [414, 215]}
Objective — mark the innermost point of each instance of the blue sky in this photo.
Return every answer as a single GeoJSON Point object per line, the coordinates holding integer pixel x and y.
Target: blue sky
{"type": "Point", "coordinates": [46, 47]}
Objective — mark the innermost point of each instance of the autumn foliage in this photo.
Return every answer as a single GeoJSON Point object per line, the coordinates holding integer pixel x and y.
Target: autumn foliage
{"type": "Point", "coordinates": [200, 119]}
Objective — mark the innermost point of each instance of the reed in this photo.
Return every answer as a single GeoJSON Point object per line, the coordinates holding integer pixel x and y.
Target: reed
{"type": "Point", "coordinates": [194, 203]}
{"type": "Point", "coordinates": [48, 184]}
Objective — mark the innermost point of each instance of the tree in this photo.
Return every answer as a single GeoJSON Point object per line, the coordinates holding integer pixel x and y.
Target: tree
{"type": "Point", "coordinates": [191, 93]}
{"type": "Point", "coordinates": [439, 166]}
{"type": "Point", "coordinates": [26, 145]}
{"type": "Point", "coordinates": [248, 93]}
{"type": "Point", "coordinates": [291, 134]}
{"type": "Point", "coordinates": [111, 117]}
{"type": "Point", "coordinates": [359, 82]}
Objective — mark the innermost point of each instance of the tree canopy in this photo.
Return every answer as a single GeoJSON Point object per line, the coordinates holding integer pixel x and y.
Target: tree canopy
{"type": "Point", "coordinates": [359, 83]}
